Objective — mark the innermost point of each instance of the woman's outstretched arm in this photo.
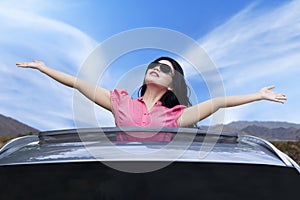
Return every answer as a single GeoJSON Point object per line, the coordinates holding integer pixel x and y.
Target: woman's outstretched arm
{"type": "Point", "coordinates": [202, 110]}
{"type": "Point", "coordinates": [93, 92]}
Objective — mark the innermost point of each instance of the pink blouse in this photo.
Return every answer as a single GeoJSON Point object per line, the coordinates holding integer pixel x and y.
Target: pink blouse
{"type": "Point", "coordinates": [133, 112]}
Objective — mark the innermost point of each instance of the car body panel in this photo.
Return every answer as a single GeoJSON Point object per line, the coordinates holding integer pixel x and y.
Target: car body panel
{"type": "Point", "coordinates": [86, 163]}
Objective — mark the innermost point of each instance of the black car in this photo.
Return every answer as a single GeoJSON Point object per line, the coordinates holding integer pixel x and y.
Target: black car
{"type": "Point", "coordinates": [93, 164]}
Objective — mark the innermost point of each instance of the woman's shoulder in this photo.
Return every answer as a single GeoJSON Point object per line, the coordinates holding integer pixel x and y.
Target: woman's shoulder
{"type": "Point", "coordinates": [119, 94]}
{"type": "Point", "coordinates": [179, 107]}
{"type": "Point", "coordinates": [119, 91]}
{"type": "Point", "coordinates": [175, 109]}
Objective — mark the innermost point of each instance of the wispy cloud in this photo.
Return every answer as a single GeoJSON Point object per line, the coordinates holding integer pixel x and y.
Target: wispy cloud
{"type": "Point", "coordinates": [26, 34]}
{"type": "Point", "coordinates": [255, 48]}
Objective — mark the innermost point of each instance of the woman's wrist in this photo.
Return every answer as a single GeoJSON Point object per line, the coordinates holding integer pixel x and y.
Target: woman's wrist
{"type": "Point", "coordinates": [42, 68]}
{"type": "Point", "coordinates": [258, 96]}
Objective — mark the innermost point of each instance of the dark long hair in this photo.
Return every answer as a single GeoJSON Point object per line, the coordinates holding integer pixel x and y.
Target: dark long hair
{"type": "Point", "coordinates": [180, 90]}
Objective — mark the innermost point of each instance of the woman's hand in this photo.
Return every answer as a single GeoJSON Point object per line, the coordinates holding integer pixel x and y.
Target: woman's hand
{"type": "Point", "coordinates": [35, 64]}
{"type": "Point", "coordinates": [267, 94]}
{"type": "Point", "coordinates": [93, 92]}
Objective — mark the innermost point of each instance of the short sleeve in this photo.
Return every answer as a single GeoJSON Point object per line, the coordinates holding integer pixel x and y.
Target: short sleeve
{"type": "Point", "coordinates": [177, 110]}
{"type": "Point", "coordinates": [117, 95]}
{"type": "Point", "coordinates": [119, 100]}
{"type": "Point", "coordinates": [173, 115]}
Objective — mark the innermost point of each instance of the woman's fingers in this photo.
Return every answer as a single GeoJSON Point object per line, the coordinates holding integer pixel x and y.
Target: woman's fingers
{"type": "Point", "coordinates": [21, 64]}
{"type": "Point", "coordinates": [34, 64]}
{"type": "Point", "coordinates": [281, 98]}
{"type": "Point", "coordinates": [270, 87]}
{"type": "Point", "coordinates": [267, 94]}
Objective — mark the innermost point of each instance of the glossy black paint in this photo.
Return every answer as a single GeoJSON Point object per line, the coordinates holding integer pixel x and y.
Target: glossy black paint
{"type": "Point", "coordinates": [180, 180]}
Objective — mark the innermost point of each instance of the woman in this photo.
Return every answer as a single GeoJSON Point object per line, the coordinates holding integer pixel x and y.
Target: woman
{"type": "Point", "coordinates": [163, 100]}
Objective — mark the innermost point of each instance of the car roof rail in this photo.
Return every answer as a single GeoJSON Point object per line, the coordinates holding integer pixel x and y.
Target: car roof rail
{"type": "Point", "coordinates": [92, 134]}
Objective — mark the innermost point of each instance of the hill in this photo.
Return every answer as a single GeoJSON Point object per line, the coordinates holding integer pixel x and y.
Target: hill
{"type": "Point", "coordinates": [273, 131]}
{"type": "Point", "coordinates": [10, 127]}
{"type": "Point", "coordinates": [267, 124]}
{"type": "Point", "coordinates": [285, 136]}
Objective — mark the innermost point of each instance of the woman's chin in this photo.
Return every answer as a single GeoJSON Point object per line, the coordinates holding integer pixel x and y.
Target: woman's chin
{"type": "Point", "coordinates": [155, 84]}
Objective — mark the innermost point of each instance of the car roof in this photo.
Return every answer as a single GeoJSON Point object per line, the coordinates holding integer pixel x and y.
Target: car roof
{"type": "Point", "coordinates": [101, 144]}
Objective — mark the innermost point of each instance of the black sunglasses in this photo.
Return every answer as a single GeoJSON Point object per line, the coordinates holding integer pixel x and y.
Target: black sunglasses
{"type": "Point", "coordinates": [163, 67]}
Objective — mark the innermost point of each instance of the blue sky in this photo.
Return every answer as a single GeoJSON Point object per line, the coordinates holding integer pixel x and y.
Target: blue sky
{"type": "Point", "coordinates": [252, 44]}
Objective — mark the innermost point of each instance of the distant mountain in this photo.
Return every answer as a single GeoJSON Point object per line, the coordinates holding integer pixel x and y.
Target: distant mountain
{"type": "Point", "coordinates": [270, 130]}
{"type": "Point", "coordinates": [12, 127]}
{"type": "Point", "coordinates": [267, 124]}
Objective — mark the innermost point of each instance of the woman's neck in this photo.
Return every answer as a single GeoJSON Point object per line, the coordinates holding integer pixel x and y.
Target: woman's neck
{"type": "Point", "coordinates": [153, 94]}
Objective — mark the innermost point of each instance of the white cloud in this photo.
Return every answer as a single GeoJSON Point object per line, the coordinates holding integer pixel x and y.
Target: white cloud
{"type": "Point", "coordinates": [252, 39]}
{"type": "Point", "coordinates": [251, 49]}
{"type": "Point", "coordinates": [255, 48]}
{"type": "Point", "coordinates": [27, 34]}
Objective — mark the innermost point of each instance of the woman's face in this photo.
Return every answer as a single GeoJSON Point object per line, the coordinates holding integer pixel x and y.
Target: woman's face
{"type": "Point", "coordinates": [156, 75]}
